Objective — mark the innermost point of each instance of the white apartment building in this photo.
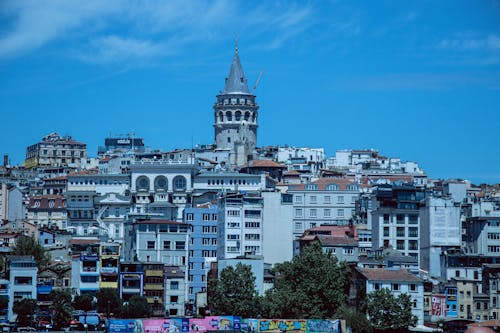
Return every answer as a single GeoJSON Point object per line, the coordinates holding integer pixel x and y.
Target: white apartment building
{"type": "Point", "coordinates": [398, 282]}
{"type": "Point", "coordinates": [22, 277]}
{"type": "Point", "coordinates": [326, 201]}
{"type": "Point", "coordinates": [240, 225]}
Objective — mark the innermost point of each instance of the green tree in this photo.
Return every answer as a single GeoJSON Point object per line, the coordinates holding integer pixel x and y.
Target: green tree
{"type": "Point", "coordinates": [312, 285]}
{"type": "Point", "coordinates": [355, 319]}
{"type": "Point", "coordinates": [61, 308]}
{"type": "Point", "coordinates": [137, 307]}
{"type": "Point", "coordinates": [83, 302]}
{"type": "Point", "coordinates": [28, 246]}
{"type": "Point", "coordinates": [388, 313]}
{"type": "Point", "coordinates": [25, 310]}
{"type": "Point", "coordinates": [234, 292]}
{"type": "Point", "coordinates": [108, 300]}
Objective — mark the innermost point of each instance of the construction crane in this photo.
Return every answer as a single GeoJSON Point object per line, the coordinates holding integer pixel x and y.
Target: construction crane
{"type": "Point", "coordinates": [258, 79]}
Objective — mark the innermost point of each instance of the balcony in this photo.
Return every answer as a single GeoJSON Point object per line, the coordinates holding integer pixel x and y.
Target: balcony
{"type": "Point", "coordinates": [113, 285]}
{"type": "Point", "coordinates": [153, 286]}
{"type": "Point", "coordinates": [131, 290]}
{"type": "Point", "coordinates": [150, 272]}
{"type": "Point", "coordinates": [109, 270]}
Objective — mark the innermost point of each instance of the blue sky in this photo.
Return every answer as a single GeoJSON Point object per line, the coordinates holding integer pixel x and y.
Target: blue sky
{"type": "Point", "coordinates": [416, 80]}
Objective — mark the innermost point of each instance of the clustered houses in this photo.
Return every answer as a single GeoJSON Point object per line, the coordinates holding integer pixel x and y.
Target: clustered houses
{"type": "Point", "coordinates": [153, 223]}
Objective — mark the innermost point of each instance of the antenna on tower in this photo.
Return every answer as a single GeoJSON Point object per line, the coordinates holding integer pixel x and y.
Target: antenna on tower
{"type": "Point", "coordinates": [258, 79]}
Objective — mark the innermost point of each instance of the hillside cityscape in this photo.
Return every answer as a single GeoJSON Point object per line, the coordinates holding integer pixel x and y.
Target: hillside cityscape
{"type": "Point", "coordinates": [157, 226]}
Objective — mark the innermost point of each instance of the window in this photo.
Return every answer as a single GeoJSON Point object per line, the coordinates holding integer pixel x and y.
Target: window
{"type": "Point", "coordinates": [206, 230]}
{"type": "Point", "coordinates": [252, 236]}
{"type": "Point", "coordinates": [174, 285]}
{"type": "Point", "coordinates": [400, 231]}
{"type": "Point", "coordinates": [180, 245]}
{"type": "Point", "coordinates": [179, 183]}
{"type": "Point", "coordinates": [234, 213]}
{"type": "Point", "coordinates": [327, 199]}
{"type": "Point", "coordinates": [395, 286]}
{"type": "Point", "coordinates": [166, 245]}
{"type": "Point", "coordinates": [327, 212]}
{"type": "Point", "coordinates": [173, 299]}
{"type": "Point", "coordinates": [189, 217]}
{"type": "Point", "coordinates": [376, 286]}
{"type": "Point", "coordinates": [298, 199]}
{"type": "Point", "coordinates": [312, 212]}
{"type": "Point", "coordinates": [206, 241]}
{"type": "Point", "coordinates": [311, 187]}
{"type": "Point", "coordinates": [400, 244]}
{"type": "Point", "coordinates": [340, 199]}
{"type": "Point", "coordinates": [151, 244]}
{"type": "Point", "coordinates": [332, 187]}
{"type": "Point", "coordinates": [386, 231]}
{"type": "Point", "coordinates": [413, 231]}
{"type": "Point", "coordinates": [400, 219]}
{"type": "Point", "coordinates": [340, 212]}
{"type": "Point", "coordinates": [387, 218]}
{"type": "Point", "coordinates": [413, 245]}
{"type": "Point", "coordinates": [298, 212]}
{"type": "Point", "coordinates": [233, 237]}
{"type": "Point", "coordinates": [348, 250]}
{"type": "Point", "coordinates": [413, 287]}
{"type": "Point", "coordinates": [313, 199]}
{"type": "Point", "coordinates": [252, 224]}
{"type": "Point", "coordinates": [298, 226]}
{"type": "Point", "coordinates": [206, 217]}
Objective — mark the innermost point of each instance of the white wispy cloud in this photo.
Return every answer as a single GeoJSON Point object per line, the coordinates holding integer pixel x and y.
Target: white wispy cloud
{"type": "Point", "coordinates": [471, 42]}
{"type": "Point", "coordinates": [115, 49]}
{"type": "Point", "coordinates": [105, 32]}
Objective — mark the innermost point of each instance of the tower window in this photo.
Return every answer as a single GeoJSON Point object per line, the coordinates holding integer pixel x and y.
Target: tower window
{"type": "Point", "coordinates": [228, 139]}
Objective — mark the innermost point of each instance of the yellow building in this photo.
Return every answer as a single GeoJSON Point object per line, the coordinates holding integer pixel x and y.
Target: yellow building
{"type": "Point", "coordinates": [154, 286]}
{"type": "Point", "coordinates": [109, 260]}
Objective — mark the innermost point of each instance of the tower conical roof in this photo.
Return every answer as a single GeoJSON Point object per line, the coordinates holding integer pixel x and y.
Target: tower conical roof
{"type": "Point", "coordinates": [236, 82]}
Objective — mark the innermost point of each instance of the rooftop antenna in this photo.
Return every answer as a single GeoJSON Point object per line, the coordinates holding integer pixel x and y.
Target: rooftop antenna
{"type": "Point", "coordinates": [258, 79]}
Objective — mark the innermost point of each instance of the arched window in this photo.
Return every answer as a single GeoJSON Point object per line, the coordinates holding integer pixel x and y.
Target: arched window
{"type": "Point", "coordinates": [237, 116]}
{"type": "Point", "coordinates": [221, 116]}
{"type": "Point", "coordinates": [229, 116]}
{"type": "Point", "coordinates": [161, 183]}
{"type": "Point", "coordinates": [332, 187]}
{"type": "Point", "coordinates": [179, 183]}
{"type": "Point", "coordinates": [142, 183]}
{"type": "Point", "coordinates": [352, 187]}
{"type": "Point", "coordinates": [254, 117]}
{"type": "Point", "coordinates": [311, 187]}
{"type": "Point", "coordinates": [247, 115]}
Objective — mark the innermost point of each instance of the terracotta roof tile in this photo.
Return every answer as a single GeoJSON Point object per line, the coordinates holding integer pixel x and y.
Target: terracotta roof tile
{"type": "Point", "coordinates": [380, 274]}
{"type": "Point", "coordinates": [264, 164]}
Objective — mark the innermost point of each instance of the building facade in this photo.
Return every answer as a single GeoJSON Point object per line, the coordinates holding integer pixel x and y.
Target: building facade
{"type": "Point", "coordinates": [55, 150]}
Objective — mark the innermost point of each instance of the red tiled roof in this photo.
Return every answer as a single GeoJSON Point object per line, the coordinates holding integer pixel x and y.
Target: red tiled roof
{"type": "Point", "coordinates": [291, 173]}
{"type": "Point", "coordinates": [380, 274]}
{"type": "Point", "coordinates": [83, 241]}
{"type": "Point", "coordinates": [56, 178]}
{"type": "Point", "coordinates": [264, 164]}
{"type": "Point", "coordinates": [330, 240]}
{"type": "Point", "coordinates": [59, 201]}
{"type": "Point", "coordinates": [92, 171]}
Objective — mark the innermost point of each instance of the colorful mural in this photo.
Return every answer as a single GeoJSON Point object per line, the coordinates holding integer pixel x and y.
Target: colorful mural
{"type": "Point", "coordinates": [202, 325]}
{"type": "Point", "coordinates": [438, 303]}
{"type": "Point", "coordinates": [214, 323]}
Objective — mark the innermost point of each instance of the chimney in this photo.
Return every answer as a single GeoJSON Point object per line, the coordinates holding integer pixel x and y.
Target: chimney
{"type": "Point", "coordinates": [5, 160]}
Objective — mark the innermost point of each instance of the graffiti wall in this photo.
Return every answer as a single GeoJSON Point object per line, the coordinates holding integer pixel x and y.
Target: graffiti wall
{"type": "Point", "coordinates": [125, 326]}
{"type": "Point", "coordinates": [202, 325]}
{"type": "Point", "coordinates": [296, 325]}
{"type": "Point", "coordinates": [214, 323]}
